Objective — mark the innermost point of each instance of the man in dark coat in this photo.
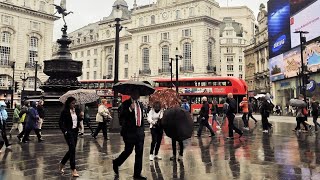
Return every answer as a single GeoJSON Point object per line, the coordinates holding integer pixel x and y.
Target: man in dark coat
{"type": "Point", "coordinates": [204, 117]}
{"type": "Point", "coordinates": [232, 110]}
{"type": "Point", "coordinates": [131, 117]}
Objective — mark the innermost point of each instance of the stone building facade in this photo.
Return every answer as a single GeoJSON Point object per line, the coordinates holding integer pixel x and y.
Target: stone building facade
{"type": "Point", "coordinates": [149, 38]}
{"type": "Point", "coordinates": [26, 31]}
{"type": "Point", "coordinates": [257, 57]}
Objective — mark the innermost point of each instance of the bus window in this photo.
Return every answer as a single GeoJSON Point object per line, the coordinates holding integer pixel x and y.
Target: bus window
{"type": "Point", "coordinates": [156, 84]}
{"type": "Point", "coordinates": [96, 85]}
{"type": "Point", "coordinates": [228, 83]}
{"type": "Point", "coordinates": [210, 83]}
{"type": "Point", "coordinates": [108, 85]}
{"type": "Point", "coordinates": [101, 86]}
{"type": "Point", "coordinates": [84, 85]}
{"type": "Point", "coordinates": [91, 85]}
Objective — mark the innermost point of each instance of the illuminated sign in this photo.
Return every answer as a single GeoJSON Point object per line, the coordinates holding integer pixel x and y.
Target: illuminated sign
{"type": "Point", "coordinates": [279, 43]}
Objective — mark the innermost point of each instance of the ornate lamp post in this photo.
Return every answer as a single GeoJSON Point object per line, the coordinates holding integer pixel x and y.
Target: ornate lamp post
{"type": "Point", "coordinates": [117, 15]}
{"type": "Point", "coordinates": [177, 69]}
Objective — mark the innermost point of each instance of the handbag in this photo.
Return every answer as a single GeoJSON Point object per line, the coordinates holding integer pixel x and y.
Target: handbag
{"type": "Point", "coordinates": [23, 117]}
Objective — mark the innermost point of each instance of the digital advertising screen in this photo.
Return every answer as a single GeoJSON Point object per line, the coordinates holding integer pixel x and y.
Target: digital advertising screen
{"type": "Point", "coordinates": [308, 19]}
{"type": "Point", "coordinates": [298, 5]}
{"type": "Point", "coordinates": [279, 27]}
{"type": "Point", "coordinates": [292, 62]}
{"type": "Point", "coordinates": [277, 68]}
{"type": "Point", "coordinates": [312, 56]}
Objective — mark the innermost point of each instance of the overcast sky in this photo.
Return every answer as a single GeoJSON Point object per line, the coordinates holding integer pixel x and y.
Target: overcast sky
{"type": "Point", "coordinates": [88, 11]}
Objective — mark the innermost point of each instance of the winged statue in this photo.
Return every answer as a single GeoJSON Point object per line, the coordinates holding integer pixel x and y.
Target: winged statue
{"type": "Point", "coordinates": [62, 9]}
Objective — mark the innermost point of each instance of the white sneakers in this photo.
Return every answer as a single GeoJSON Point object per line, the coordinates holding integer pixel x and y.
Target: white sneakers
{"type": "Point", "coordinates": [246, 128]}
{"type": "Point", "coordinates": [265, 131]}
{"type": "Point", "coordinates": [156, 157]}
{"type": "Point", "coordinates": [151, 157]}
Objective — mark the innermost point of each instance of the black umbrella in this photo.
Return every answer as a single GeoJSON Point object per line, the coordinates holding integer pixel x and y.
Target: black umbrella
{"type": "Point", "coordinates": [177, 123]}
{"type": "Point", "coordinates": [126, 88]}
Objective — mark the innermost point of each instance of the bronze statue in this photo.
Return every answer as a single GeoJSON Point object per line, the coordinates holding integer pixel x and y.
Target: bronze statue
{"type": "Point", "coordinates": [62, 9]}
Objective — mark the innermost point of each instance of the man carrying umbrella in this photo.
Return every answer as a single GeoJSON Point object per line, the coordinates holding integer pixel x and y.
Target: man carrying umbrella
{"type": "Point", "coordinates": [132, 132]}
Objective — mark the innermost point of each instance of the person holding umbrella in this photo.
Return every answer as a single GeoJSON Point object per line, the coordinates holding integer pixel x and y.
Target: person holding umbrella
{"type": "Point", "coordinates": [69, 123]}
{"type": "Point", "coordinates": [101, 117]}
{"type": "Point", "coordinates": [204, 116]}
{"type": "Point", "coordinates": [132, 132]}
{"type": "Point", "coordinates": [154, 116]}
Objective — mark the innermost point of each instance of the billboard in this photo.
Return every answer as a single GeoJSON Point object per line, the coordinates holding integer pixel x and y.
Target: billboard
{"type": "Point", "coordinates": [307, 19]}
{"type": "Point", "coordinates": [297, 5]}
{"type": "Point", "coordinates": [312, 56]}
{"type": "Point", "coordinates": [279, 27]}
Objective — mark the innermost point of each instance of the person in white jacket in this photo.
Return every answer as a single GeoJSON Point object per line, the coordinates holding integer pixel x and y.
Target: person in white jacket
{"type": "Point", "coordinates": [154, 116]}
{"type": "Point", "coordinates": [102, 116]}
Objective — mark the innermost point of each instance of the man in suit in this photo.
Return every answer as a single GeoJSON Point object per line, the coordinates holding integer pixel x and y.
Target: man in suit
{"type": "Point", "coordinates": [132, 132]}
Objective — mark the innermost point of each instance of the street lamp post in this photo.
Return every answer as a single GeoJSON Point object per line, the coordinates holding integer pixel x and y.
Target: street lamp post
{"type": "Point", "coordinates": [24, 79]}
{"type": "Point", "coordinates": [171, 74]}
{"type": "Point", "coordinates": [117, 15]}
{"type": "Point", "coordinates": [177, 70]}
{"type": "Point", "coordinates": [302, 74]}
{"type": "Point", "coordinates": [35, 77]}
{"type": "Point", "coordinates": [12, 84]}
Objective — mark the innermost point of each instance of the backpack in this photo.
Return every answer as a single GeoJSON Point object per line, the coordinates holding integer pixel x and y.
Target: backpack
{"type": "Point", "coordinates": [305, 112]}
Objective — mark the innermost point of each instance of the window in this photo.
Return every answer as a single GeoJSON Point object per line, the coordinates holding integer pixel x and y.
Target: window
{"type": "Point", "coordinates": [5, 38]}
{"type": "Point", "coordinates": [95, 63]}
{"type": "Point", "coordinates": [186, 32]}
{"type": "Point", "coordinates": [178, 14]}
{"type": "Point", "coordinates": [81, 53]}
{"type": "Point", "coordinates": [95, 51]}
{"type": "Point", "coordinates": [209, 11]}
{"type": "Point", "coordinates": [5, 48]}
{"type": "Point", "coordinates": [3, 80]}
{"type": "Point", "coordinates": [210, 53]}
{"type": "Point", "coordinates": [110, 66]}
{"type": "Point", "coordinates": [240, 59]}
{"type": "Point", "coordinates": [165, 36]}
{"type": "Point", "coordinates": [229, 58]}
{"type": "Point", "coordinates": [33, 50]}
{"type": "Point", "coordinates": [229, 41]}
{"type": "Point", "coordinates": [84, 39]}
{"type": "Point", "coordinates": [126, 46]}
{"type": "Point", "coordinates": [31, 82]}
{"type": "Point", "coordinates": [153, 19]}
{"type": "Point", "coordinates": [191, 11]}
{"type": "Point", "coordinates": [145, 39]}
{"type": "Point", "coordinates": [88, 75]}
{"type": "Point", "coordinates": [126, 73]}
{"type": "Point", "coordinates": [42, 4]}
{"type": "Point", "coordinates": [209, 32]}
{"type": "Point", "coordinates": [94, 74]}
{"type": "Point", "coordinates": [229, 67]}
{"type": "Point", "coordinates": [141, 21]}
{"type": "Point", "coordinates": [88, 63]}
{"type": "Point", "coordinates": [126, 58]}
{"type": "Point", "coordinates": [240, 68]}
{"type": "Point", "coordinates": [165, 58]}
{"type": "Point", "coordinates": [229, 50]}
{"type": "Point", "coordinates": [88, 52]}
{"type": "Point", "coordinates": [229, 32]}
{"type": "Point", "coordinates": [229, 74]}
{"type": "Point", "coordinates": [241, 76]}
{"type": "Point", "coordinates": [76, 55]}
{"type": "Point", "coordinates": [187, 54]}
{"type": "Point", "coordinates": [145, 59]}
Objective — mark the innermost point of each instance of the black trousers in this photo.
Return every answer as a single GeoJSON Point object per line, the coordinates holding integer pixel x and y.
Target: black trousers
{"type": "Point", "coordinates": [156, 133]}
{"type": "Point", "coordinates": [245, 120]}
{"type": "Point", "coordinates": [299, 121]}
{"type": "Point", "coordinates": [71, 139]}
{"type": "Point", "coordinates": [204, 122]}
{"type": "Point", "coordinates": [23, 130]}
{"type": "Point", "coordinates": [265, 122]}
{"type": "Point", "coordinates": [27, 133]}
{"type": "Point", "coordinates": [4, 134]}
{"type": "Point", "coordinates": [174, 147]}
{"type": "Point", "coordinates": [87, 121]}
{"type": "Point", "coordinates": [128, 148]}
{"type": "Point", "coordinates": [101, 126]}
{"type": "Point", "coordinates": [251, 116]}
{"type": "Point", "coordinates": [316, 124]}
{"type": "Point", "coordinates": [231, 125]}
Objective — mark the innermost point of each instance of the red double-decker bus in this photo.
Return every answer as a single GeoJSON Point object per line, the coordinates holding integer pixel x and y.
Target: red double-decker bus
{"type": "Point", "coordinates": [103, 88]}
{"type": "Point", "coordinates": [214, 88]}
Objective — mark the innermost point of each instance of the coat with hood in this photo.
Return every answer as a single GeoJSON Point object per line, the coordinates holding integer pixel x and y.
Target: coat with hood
{"type": "Point", "coordinates": [16, 113]}
{"type": "Point", "coordinates": [32, 117]}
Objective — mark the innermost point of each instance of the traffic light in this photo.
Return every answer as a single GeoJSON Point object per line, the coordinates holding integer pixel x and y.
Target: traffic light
{"type": "Point", "coordinates": [16, 86]}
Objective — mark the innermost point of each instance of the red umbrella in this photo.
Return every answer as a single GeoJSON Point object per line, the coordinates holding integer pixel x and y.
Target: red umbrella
{"type": "Point", "coordinates": [167, 97]}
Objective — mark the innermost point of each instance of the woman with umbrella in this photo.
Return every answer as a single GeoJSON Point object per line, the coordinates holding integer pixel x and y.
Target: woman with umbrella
{"type": "Point", "coordinates": [154, 116]}
{"type": "Point", "coordinates": [69, 124]}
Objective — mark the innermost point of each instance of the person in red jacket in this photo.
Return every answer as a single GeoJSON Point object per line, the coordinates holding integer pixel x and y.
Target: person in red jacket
{"type": "Point", "coordinates": [245, 110]}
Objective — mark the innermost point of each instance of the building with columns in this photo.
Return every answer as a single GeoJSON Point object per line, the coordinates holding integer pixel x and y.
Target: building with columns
{"type": "Point", "coordinates": [257, 57]}
{"type": "Point", "coordinates": [26, 30]}
{"type": "Point", "coordinates": [149, 37]}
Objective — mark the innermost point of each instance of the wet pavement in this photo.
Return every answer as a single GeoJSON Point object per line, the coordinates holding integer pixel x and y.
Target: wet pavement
{"type": "Point", "coordinates": [281, 154]}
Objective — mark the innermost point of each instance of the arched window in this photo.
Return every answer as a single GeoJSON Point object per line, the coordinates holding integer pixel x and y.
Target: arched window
{"type": "Point", "coordinates": [165, 58]}
{"type": "Point", "coordinates": [145, 59]}
{"type": "Point", "coordinates": [187, 55]}
{"type": "Point", "coordinates": [210, 52]}
{"type": "Point", "coordinates": [110, 67]}
{"type": "Point", "coordinates": [5, 48]}
{"type": "Point", "coordinates": [178, 14]}
{"type": "Point", "coordinates": [33, 50]}
{"type": "Point", "coordinates": [153, 19]}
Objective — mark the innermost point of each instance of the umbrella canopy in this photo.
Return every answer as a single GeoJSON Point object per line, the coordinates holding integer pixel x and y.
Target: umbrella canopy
{"type": "Point", "coordinates": [167, 97]}
{"type": "Point", "coordinates": [297, 103]}
{"type": "Point", "coordinates": [259, 96]}
{"type": "Point", "coordinates": [177, 123]}
{"type": "Point", "coordinates": [82, 96]}
{"type": "Point", "coordinates": [126, 88]}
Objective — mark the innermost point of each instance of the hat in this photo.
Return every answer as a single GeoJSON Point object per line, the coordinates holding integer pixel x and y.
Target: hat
{"type": "Point", "coordinates": [204, 99]}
